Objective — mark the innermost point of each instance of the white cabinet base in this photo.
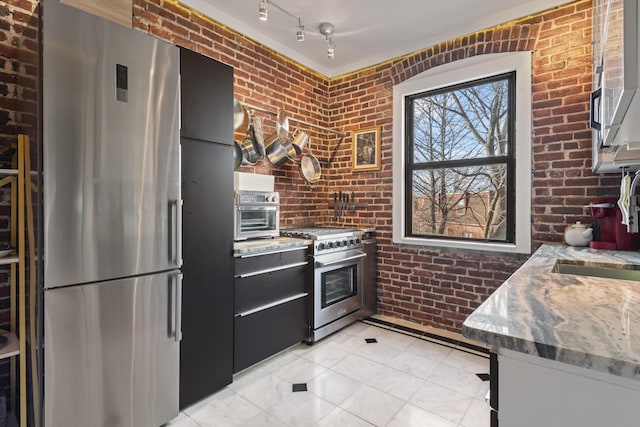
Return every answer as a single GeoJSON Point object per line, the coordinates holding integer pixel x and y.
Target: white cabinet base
{"type": "Point", "coordinates": [536, 392]}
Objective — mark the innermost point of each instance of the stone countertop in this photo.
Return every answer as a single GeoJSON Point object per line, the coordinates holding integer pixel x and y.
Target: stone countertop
{"type": "Point", "coordinates": [257, 246]}
{"type": "Point", "coordinates": [584, 321]}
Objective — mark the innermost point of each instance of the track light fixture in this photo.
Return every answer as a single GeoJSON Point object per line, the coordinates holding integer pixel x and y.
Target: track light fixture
{"type": "Point", "coordinates": [263, 10]}
{"type": "Point", "coordinates": [300, 32]}
{"type": "Point", "coordinates": [327, 29]}
{"type": "Point", "coordinates": [331, 50]}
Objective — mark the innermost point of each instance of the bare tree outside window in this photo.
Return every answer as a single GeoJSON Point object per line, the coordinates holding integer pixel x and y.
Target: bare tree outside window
{"type": "Point", "coordinates": [461, 161]}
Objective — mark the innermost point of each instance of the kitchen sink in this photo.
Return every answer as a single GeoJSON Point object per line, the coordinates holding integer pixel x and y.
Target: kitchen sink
{"type": "Point", "coordinates": [598, 269]}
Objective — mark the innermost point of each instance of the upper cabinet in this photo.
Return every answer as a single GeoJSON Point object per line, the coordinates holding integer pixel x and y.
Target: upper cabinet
{"type": "Point", "coordinates": [206, 87]}
{"type": "Point", "coordinates": [615, 106]}
{"type": "Point", "coordinates": [120, 11]}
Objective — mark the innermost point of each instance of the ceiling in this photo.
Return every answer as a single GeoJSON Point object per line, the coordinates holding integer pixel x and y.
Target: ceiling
{"type": "Point", "coordinates": [367, 32]}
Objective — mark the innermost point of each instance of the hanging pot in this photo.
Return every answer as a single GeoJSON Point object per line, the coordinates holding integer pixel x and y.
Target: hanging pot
{"type": "Point", "coordinates": [282, 125]}
{"type": "Point", "coordinates": [237, 156]}
{"type": "Point", "coordinates": [310, 168]}
{"type": "Point", "coordinates": [240, 117]}
{"type": "Point", "coordinates": [279, 152]}
{"type": "Point", "coordinates": [300, 139]}
{"type": "Point", "coordinates": [256, 134]}
{"type": "Point", "coordinates": [250, 155]}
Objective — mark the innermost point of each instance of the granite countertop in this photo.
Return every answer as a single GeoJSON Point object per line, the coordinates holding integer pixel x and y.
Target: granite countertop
{"type": "Point", "coordinates": [257, 246]}
{"type": "Point", "coordinates": [585, 321]}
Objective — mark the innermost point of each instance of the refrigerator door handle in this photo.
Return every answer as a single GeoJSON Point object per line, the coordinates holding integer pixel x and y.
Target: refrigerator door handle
{"type": "Point", "coordinates": [178, 307]}
{"type": "Point", "coordinates": [179, 233]}
{"type": "Point", "coordinates": [175, 307]}
{"type": "Point", "coordinates": [175, 232]}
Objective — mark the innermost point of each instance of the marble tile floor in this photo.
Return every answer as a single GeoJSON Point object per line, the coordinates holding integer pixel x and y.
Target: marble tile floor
{"type": "Point", "coordinates": [397, 381]}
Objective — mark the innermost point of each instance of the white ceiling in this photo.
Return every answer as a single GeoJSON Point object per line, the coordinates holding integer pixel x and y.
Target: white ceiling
{"type": "Point", "coordinates": [367, 32]}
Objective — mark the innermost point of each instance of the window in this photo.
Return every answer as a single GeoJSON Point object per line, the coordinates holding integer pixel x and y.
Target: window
{"type": "Point", "coordinates": [462, 161]}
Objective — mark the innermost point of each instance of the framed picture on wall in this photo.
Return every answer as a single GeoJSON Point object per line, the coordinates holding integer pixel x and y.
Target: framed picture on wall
{"type": "Point", "coordinates": [366, 149]}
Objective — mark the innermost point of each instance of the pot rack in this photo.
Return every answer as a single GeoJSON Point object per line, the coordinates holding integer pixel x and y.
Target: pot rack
{"type": "Point", "coordinates": [342, 135]}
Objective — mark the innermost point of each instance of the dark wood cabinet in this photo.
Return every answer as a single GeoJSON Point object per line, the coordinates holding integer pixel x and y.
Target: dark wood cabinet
{"type": "Point", "coordinates": [207, 87]}
{"type": "Point", "coordinates": [206, 349]}
{"type": "Point", "coordinates": [271, 304]}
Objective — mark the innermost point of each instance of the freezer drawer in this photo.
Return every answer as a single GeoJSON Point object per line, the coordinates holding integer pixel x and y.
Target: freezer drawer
{"type": "Point", "coordinates": [112, 352]}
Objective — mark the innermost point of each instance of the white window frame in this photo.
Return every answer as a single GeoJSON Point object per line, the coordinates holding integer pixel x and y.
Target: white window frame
{"type": "Point", "coordinates": [455, 73]}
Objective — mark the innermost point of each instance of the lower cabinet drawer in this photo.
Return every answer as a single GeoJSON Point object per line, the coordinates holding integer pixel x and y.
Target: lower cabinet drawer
{"type": "Point", "coordinates": [264, 333]}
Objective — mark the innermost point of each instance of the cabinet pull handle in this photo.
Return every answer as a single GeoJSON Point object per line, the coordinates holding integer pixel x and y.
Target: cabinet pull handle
{"type": "Point", "coordinates": [271, 270]}
{"type": "Point", "coordinates": [271, 252]}
{"type": "Point", "coordinates": [271, 305]}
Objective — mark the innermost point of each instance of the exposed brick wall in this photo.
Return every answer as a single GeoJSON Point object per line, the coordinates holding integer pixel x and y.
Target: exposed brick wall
{"type": "Point", "coordinates": [434, 287]}
{"type": "Point", "coordinates": [441, 287]}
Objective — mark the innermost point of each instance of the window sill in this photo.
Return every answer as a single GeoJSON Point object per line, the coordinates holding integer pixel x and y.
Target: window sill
{"type": "Point", "coordinates": [510, 248]}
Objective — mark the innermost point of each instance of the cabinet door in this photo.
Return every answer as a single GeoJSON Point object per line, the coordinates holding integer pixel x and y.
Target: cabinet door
{"type": "Point", "coordinates": [206, 351]}
{"type": "Point", "coordinates": [264, 333]}
{"type": "Point", "coordinates": [620, 67]}
{"type": "Point", "coordinates": [206, 87]}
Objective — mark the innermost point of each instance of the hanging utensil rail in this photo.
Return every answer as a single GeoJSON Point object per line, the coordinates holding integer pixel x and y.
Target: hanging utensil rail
{"type": "Point", "coordinates": [302, 122]}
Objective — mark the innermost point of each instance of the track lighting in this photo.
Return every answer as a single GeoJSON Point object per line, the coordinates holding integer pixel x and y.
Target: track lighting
{"type": "Point", "coordinates": [327, 29]}
{"type": "Point", "coordinates": [300, 32]}
{"type": "Point", "coordinates": [263, 10]}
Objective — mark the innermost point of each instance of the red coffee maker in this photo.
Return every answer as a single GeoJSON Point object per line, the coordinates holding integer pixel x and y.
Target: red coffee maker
{"type": "Point", "coordinates": [608, 230]}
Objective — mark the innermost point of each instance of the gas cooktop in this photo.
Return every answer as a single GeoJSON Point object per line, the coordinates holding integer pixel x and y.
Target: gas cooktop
{"type": "Point", "coordinates": [327, 240]}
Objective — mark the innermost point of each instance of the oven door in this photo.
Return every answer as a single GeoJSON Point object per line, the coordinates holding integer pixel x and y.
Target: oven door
{"type": "Point", "coordinates": [337, 286]}
{"type": "Point", "coordinates": [256, 221]}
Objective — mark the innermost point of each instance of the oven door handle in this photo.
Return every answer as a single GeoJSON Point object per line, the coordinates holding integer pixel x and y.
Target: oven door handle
{"type": "Point", "coordinates": [341, 260]}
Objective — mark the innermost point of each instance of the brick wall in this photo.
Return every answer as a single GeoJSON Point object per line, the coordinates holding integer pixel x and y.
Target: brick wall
{"type": "Point", "coordinates": [434, 287]}
{"type": "Point", "coordinates": [441, 287]}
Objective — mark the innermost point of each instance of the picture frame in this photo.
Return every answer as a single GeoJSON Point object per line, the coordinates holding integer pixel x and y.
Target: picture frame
{"type": "Point", "coordinates": [365, 146]}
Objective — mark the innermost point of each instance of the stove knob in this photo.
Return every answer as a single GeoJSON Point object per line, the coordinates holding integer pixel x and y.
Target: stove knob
{"type": "Point", "coordinates": [357, 241]}
{"type": "Point", "coordinates": [351, 242]}
{"type": "Point", "coordinates": [329, 245]}
{"type": "Point", "coordinates": [320, 246]}
{"type": "Point", "coordinates": [345, 243]}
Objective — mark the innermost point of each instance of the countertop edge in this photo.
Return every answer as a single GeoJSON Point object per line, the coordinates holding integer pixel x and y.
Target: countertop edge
{"type": "Point", "coordinates": [515, 291]}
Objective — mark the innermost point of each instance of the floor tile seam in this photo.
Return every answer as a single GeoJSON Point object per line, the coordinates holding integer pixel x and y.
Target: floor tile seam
{"type": "Point", "coordinates": [466, 396]}
{"type": "Point", "coordinates": [397, 412]}
{"type": "Point", "coordinates": [315, 396]}
{"type": "Point", "coordinates": [191, 419]}
{"type": "Point", "coordinates": [347, 411]}
{"type": "Point", "coordinates": [376, 387]}
{"type": "Point", "coordinates": [460, 424]}
{"type": "Point", "coordinates": [431, 413]}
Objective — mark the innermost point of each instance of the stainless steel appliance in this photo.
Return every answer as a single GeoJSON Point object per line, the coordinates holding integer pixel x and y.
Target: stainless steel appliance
{"type": "Point", "coordinates": [337, 278]}
{"type": "Point", "coordinates": [257, 214]}
{"type": "Point", "coordinates": [111, 223]}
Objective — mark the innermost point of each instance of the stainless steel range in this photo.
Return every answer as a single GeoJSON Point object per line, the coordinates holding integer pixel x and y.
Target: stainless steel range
{"type": "Point", "coordinates": [337, 277]}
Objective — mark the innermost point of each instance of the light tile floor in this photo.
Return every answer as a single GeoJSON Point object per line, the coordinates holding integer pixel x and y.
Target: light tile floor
{"type": "Point", "coordinates": [399, 381]}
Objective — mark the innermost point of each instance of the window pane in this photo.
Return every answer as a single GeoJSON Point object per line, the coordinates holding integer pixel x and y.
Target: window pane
{"type": "Point", "coordinates": [464, 122]}
{"type": "Point", "coordinates": [466, 202]}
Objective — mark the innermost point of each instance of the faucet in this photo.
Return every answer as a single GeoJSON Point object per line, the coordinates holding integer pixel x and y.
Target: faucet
{"type": "Point", "coordinates": [632, 224]}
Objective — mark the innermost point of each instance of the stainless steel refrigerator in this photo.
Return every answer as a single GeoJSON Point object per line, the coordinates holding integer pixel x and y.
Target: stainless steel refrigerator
{"type": "Point", "coordinates": [112, 223]}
